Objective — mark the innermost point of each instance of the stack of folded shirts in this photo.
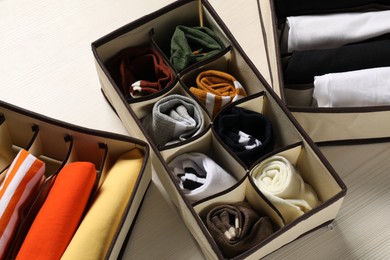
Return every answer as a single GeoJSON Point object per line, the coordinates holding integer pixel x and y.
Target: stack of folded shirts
{"type": "Point", "coordinates": [338, 44]}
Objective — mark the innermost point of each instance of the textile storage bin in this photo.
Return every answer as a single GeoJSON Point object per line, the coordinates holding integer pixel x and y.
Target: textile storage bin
{"type": "Point", "coordinates": [80, 169]}
{"type": "Point", "coordinates": [160, 114]}
{"type": "Point", "coordinates": [355, 112]}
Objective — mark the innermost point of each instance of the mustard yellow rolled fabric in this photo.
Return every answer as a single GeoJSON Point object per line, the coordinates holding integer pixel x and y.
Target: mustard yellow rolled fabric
{"type": "Point", "coordinates": [96, 231]}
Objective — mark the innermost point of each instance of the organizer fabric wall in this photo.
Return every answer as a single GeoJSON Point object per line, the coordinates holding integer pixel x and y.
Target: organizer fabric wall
{"type": "Point", "coordinates": [205, 146]}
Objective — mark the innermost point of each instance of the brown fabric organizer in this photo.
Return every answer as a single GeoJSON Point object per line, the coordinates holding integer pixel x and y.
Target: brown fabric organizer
{"type": "Point", "coordinates": [58, 143]}
{"type": "Point", "coordinates": [155, 29]}
{"type": "Point", "coordinates": [323, 124]}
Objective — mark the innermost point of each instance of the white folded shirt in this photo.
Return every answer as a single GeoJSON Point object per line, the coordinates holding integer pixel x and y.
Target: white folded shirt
{"type": "Point", "coordinates": [315, 32]}
{"type": "Point", "coordinates": [368, 87]}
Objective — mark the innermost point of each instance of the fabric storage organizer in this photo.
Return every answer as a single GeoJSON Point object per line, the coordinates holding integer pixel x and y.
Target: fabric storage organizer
{"type": "Point", "coordinates": [344, 122]}
{"type": "Point", "coordinates": [155, 30]}
{"type": "Point", "coordinates": [59, 145]}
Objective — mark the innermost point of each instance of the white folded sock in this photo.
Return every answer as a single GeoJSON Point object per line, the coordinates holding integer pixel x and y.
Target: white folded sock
{"type": "Point", "coordinates": [278, 180]}
{"type": "Point", "coordinates": [315, 32]}
{"type": "Point", "coordinates": [199, 176]}
{"type": "Point", "coordinates": [368, 87]}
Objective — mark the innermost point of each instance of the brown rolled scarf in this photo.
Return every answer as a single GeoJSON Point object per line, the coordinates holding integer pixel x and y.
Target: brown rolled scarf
{"type": "Point", "coordinates": [237, 227]}
{"type": "Point", "coordinates": [215, 89]}
{"type": "Point", "coordinates": [139, 71]}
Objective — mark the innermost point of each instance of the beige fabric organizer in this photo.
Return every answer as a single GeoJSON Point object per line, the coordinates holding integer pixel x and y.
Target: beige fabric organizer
{"type": "Point", "coordinates": [58, 143]}
{"type": "Point", "coordinates": [291, 140]}
{"type": "Point", "coordinates": [322, 124]}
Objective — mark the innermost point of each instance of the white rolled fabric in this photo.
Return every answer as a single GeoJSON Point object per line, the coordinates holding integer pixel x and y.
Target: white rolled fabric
{"type": "Point", "coordinates": [315, 32]}
{"type": "Point", "coordinates": [284, 187]}
{"type": "Point", "coordinates": [200, 169]}
{"type": "Point", "coordinates": [368, 87]}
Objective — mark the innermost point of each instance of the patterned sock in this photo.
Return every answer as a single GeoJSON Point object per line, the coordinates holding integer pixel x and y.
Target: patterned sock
{"type": "Point", "coordinates": [192, 44]}
{"type": "Point", "coordinates": [215, 89]}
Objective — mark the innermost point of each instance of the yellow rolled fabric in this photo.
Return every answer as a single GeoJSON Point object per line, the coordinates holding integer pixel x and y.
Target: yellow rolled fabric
{"type": "Point", "coordinates": [284, 187]}
{"type": "Point", "coordinates": [96, 231]}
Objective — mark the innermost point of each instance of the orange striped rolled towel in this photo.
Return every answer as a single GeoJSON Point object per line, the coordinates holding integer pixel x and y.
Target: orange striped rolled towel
{"type": "Point", "coordinates": [21, 181]}
{"type": "Point", "coordinates": [215, 89]}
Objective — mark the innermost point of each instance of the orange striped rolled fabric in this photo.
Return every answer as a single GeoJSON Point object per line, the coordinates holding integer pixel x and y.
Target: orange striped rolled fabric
{"type": "Point", "coordinates": [60, 215]}
{"type": "Point", "coordinates": [215, 89]}
{"type": "Point", "coordinates": [21, 181]}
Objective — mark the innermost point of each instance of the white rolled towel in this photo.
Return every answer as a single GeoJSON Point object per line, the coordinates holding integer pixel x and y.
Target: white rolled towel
{"type": "Point", "coordinates": [315, 32]}
{"type": "Point", "coordinates": [199, 176]}
{"type": "Point", "coordinates": [368, 87]}
{"type": "Point", "coordinates": [284, 187]}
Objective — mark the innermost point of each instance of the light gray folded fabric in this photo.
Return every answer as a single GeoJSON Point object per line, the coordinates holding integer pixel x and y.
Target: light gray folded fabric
{"type": "Point", "coordinates": [174, 118]}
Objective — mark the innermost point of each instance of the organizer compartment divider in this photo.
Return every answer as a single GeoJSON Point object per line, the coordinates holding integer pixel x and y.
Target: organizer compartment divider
{"type": "Point", "coordinates": [290, 137]}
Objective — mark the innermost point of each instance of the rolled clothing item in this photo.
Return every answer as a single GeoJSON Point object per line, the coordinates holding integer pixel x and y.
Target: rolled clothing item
{"type": "Point", "coordinates": [247, 134]}
{"type": "Point", "coordinates": [174, 118]}
{"type": "Point", "coordinates": [21, 182]}
{"type": "Point", "coordinates": [303, 66]}
{"type": "Point", "coordinates": [99, 226]}
{"type": "Point", "coordinates": [61, 213]}
{"type": "Point", "coordinates": [369, 87]}
{"type": "Point", "coordinates": [139, 71]}
{"type": "Point", "coordinates": [316, 32]}
{"type": "Point", "coordinates": [284, 187]}
{"type": "Point", "coordinates": [237, 227]}
{"type": "Point", "coordinates": [199, 176]}
{"type": "Point", "coordinates": [286, 8]}
{"type": "Point", "coordinates": [193, 44]}
{"type": "Point", "coordinates": [215, 89]}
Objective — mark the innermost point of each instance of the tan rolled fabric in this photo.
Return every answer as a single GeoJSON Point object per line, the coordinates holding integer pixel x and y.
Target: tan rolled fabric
{"type": "Point", "coordinates": [96, 231]}
{"type": "Point", "coordinates": [284, 187]}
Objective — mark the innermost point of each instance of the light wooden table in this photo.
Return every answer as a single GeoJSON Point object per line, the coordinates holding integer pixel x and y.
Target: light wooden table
{"type": "Point", "coordinates": [46, 66]}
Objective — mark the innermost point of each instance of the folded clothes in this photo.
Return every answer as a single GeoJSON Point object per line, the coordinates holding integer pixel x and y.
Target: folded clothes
{"type": "Point", "coordinates": [286, 8]}
{"type": "Point", "coordinates": [61, 213]}
{"type": "Point", "coordinates": [139, 71]}
{"type": "Point", "coordinates": [248, 134]}
{"type": "Point", "coordinates": [22, 180]}
{"type": "Point", "coordinates": [284, 187]}
{"type": "Point", "coordinates": [174, 118]}
{"type": "Point", "coordinates": [315, 32]}
{"type": "Point", "coordinates": [99, 227]}
{"type": "Point", "coordinates": [199, 176]}
{"type": "Point", "coordinates": [237, 227]}
{"type": "Point", "coordinates": [369, 87]}
{"type": "Point", "coordinates": [215, 89]}
{"type": "Point", "coordinates": [193, 44]}
{"type": "Point", "coordinates": [303, 66]}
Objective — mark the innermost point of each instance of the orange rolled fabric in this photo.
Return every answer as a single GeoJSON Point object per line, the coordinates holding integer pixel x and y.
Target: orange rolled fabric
{"type": "Point", "coordinates": [215, 89]}
{"type": "Point", "coordinates": [60, 215]}
{"type": "Point", "coordinates": [16, 191]}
